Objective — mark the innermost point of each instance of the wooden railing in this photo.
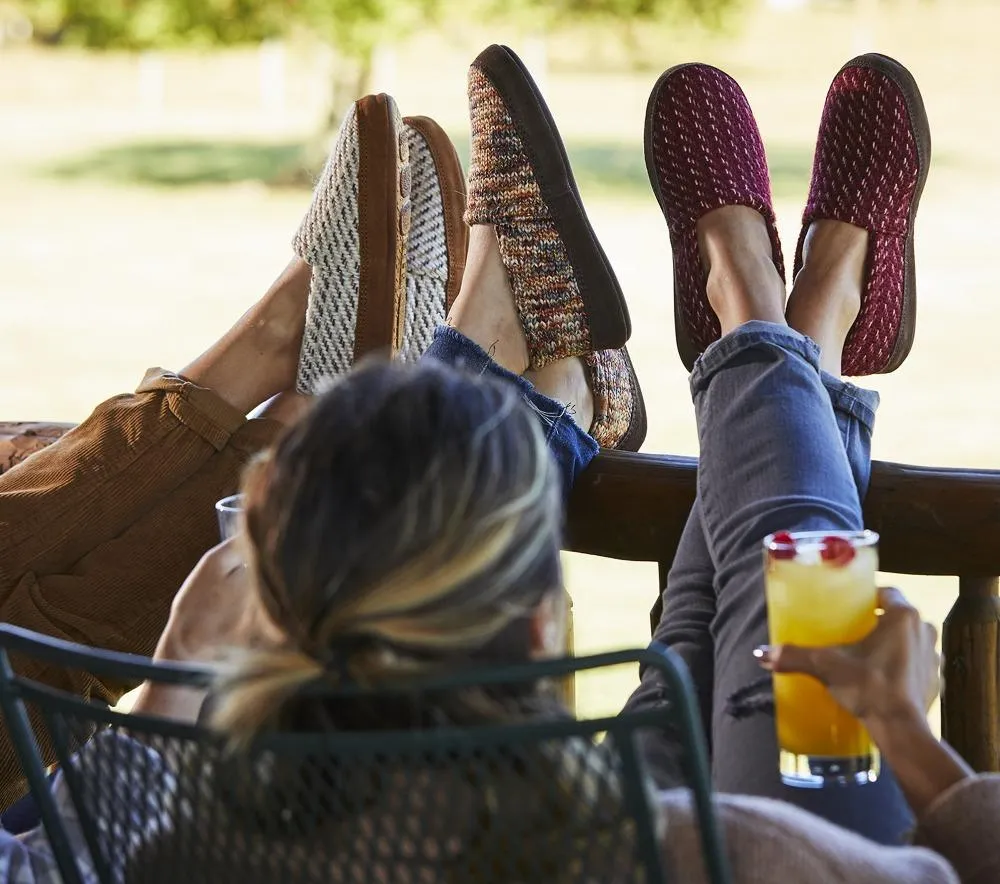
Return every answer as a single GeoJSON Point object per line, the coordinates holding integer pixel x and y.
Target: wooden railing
{"type": "Point", "coordinates": [931, 521]}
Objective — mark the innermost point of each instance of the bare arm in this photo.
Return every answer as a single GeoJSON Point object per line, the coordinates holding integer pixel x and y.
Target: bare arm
{"type": "Point", "coordinates": [924, 767]}
{"type": "Point", "coordinates": [211, 612]}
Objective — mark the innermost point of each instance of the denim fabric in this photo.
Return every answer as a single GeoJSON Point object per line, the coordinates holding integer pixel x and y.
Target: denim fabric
{"type": "Point", "coordinates": [782, 448]}
{"type": "Point", "coordinates": [572, 449]}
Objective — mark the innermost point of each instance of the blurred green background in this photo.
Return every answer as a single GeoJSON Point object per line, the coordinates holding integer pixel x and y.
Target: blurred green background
{"type": "Point", "coordinates": [156, 156]}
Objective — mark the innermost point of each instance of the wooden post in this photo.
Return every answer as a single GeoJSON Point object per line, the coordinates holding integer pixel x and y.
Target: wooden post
{"type": "Point", "coordinates": [970, 699]}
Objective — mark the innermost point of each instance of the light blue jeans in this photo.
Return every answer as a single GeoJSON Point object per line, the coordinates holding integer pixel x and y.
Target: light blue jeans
{"type": "Point", "coordinates": [783, 447]}
{"type": "Point", "coordinates": [570, 446]}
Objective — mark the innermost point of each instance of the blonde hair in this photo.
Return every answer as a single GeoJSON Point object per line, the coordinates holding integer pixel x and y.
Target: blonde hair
{"type": "Point", "coordinates": [408, 524]}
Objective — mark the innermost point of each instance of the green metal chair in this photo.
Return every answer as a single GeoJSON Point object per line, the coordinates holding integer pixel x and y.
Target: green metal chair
{"type": "Point", "coordinates": [546, 799]}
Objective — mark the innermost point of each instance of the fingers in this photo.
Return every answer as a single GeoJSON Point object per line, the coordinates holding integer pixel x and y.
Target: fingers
{"type": "Point", "coordinates": [825, 664]}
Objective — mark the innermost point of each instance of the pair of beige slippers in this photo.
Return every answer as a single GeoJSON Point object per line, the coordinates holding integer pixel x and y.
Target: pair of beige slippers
{"type": "Point", "coordinates": [385, 239]}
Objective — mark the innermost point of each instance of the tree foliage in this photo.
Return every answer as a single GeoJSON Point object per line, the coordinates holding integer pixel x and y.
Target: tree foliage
{"type": "Point", "coordinates": [353, 27]}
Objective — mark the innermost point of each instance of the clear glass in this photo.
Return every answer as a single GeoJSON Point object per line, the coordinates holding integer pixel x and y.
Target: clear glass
{"type": "Point", "coordinates": [230, 513]}
{"type": "Point", "coordinates": [820, 591]}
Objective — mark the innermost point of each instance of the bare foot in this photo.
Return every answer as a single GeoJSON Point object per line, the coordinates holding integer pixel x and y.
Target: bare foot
{"type": "Point", "coordinates": [826, 296]}
{"type": "Point", "coordinates": [484, 310]}
{"type": "Point", "coordinates": [259, 356]}
{"type": "Point", "coordinates": [565, 380]}
{"type": "Point", "coordinates": [743, 283]}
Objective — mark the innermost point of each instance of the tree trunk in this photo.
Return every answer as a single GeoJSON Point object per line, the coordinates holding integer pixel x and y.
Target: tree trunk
{"type": "Point", "coordinates": [349, 81]}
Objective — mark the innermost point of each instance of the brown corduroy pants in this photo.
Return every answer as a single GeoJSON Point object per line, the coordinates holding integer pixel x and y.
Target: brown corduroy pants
{"type": "Point", "coordinates": [99, 530]}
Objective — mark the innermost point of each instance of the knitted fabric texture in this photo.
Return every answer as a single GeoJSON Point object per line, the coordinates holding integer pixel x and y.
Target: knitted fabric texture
{"type": "Point", "coordinates": [503, 191]}
{"type": "Point", "coordinates": [427, 252]}
{"type": "Point", "coordinates": [707, 153]}
{"type": "Point", "coordinates": [865, 172]}
{"type": "Point", "coordinates": [614, 399]}
{"type": "Point", "coordinates": [328, 241]}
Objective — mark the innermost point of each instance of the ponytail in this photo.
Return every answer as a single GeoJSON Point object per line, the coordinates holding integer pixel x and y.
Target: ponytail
{"type": "Point", "coordinates": [255, 693]}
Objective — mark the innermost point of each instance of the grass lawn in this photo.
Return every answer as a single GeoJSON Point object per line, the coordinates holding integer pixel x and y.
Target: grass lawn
{"type": "Point", "coordinates": [135, 230]}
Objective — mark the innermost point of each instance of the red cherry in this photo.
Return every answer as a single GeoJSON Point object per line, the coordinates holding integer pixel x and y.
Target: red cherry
{"type": "Point", "coordinates": [836, 551]}
{"type": "Point", "coordinates": [782, 546]}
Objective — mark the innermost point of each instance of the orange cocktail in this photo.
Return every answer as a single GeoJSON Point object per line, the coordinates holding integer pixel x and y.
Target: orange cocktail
{"type": "Point", "coordinates": [820, 591]}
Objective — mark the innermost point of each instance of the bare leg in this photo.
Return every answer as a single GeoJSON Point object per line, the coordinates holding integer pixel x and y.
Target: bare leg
{"type": "Point", "coordinates": [826, 296]}
{"type": "Point", "coordinates": [258, 357]}
{"type": "Point", "coordinates": [485, 313]}
{"type": "Point", "coordinates": [743, 283]}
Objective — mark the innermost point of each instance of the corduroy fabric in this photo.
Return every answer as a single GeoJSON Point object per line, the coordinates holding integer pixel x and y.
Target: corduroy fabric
{"type": "Point", "coordinates": [865, 172]}
{"type": "Point", "coordinates": [328, 241]}
{"type": "Point", "coordinates": [99, 529]}
{"type": "Point", "coordinates": [427, 252]}
{"type": "Point", "coordinates": [503, 192]}
{"type": "Point", "coordinates": [706, 153]}
{"type": "Point", "coordinates": [614, 399]}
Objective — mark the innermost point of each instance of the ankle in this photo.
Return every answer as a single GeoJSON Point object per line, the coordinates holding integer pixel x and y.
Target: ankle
{"type": "Point", "coordinates": [743, 283]}
{"type": "Point", "coordinates": [484, 310]}
{"type": "Point", "coordinates": [565, 381]}
{"type": "Point", "coordinates": [826, 296]}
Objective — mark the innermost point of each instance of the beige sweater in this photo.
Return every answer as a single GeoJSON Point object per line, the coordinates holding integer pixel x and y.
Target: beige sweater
{"type": "Point", "coordinates": [773, 842]}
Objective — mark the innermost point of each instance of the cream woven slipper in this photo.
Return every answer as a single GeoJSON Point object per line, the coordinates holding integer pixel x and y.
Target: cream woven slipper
{"type": "Point", "coordinates": [354, 238]}
{"type": "Point", "coordinates": [438, 239]}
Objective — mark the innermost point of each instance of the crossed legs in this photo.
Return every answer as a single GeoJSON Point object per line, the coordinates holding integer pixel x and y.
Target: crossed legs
{"type": "Point", "coordinates": [785, 445]}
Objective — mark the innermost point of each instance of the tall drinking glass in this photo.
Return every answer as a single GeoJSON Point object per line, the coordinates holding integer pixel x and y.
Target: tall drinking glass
{"type": "Point", "coordinates": [229, 511]}
{"type": "Point", "coordinates": [820, 591]}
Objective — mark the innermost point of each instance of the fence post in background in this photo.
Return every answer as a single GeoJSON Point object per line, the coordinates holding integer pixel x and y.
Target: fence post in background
{"type": "Point", "coordinates": [271, 69]}
{"type": "Point", "coordinates": [151, 84]}
{"type": "Point", "coordinates": [970, 698]}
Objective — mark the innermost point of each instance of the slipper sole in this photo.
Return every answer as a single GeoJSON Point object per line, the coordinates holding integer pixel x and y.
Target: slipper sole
{"type": "Point", "coordinates": [906, 83]}
{"type": "Point", "coordinates": [451, 181]}
{"type": "Point", "coordinates": [383, 195]}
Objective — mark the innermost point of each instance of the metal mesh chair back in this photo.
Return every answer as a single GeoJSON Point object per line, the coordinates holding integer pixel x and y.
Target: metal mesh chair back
{"type": "Point", "coordinates": [526, 799]}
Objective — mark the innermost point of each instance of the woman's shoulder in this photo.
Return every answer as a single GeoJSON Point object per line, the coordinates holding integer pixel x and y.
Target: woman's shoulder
{"type": "Point", "coordinates": [767, 836]}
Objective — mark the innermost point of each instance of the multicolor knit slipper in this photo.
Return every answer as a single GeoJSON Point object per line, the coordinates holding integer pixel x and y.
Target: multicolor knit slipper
{"type": "Point", "coordinates": [354, 238]}
{"type": "Point", "coordinates": [619, 409]}
{"type": "Point", "coordinates": [439, 238]}
{"type": "Point", "coordinates": [703, 152]}
{"type": "Point", "coordinates": [871, 162]}
{"type": "Point", "coordinates": [520, 181]}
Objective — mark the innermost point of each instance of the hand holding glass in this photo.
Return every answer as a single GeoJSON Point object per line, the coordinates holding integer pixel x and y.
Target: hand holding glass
{"type": "Point", "coordinates": [820, 592]}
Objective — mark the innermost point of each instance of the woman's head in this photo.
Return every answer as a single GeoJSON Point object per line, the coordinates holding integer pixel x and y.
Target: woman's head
{"type": "Point", "coordinates": [409, 522]}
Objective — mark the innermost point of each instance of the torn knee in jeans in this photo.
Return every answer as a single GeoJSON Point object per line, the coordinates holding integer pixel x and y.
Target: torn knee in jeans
{"type": "Point", "coordinates": [752, 699]}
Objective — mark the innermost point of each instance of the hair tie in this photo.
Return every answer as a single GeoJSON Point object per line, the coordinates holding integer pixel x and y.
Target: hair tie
{"type": "Point", "coordinates": [336, 662]}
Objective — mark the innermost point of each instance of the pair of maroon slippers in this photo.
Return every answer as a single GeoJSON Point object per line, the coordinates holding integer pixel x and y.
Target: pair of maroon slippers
{"type": "Point", "coordinates": [704, 151]}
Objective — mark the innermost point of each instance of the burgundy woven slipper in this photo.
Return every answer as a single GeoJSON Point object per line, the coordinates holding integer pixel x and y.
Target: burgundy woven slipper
{"type": "Point", "coordinates": [872, 156]}
{"type": "Point", "coordinates": [619, 409]}
{"type": "Point", "coordinates": [567, 296]}
{"type": "Point", "coordinates": [703, 151]}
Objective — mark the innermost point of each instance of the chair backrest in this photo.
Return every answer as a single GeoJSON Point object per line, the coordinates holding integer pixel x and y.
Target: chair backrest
{"type": "Point", "coordinates": [539, 799]}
